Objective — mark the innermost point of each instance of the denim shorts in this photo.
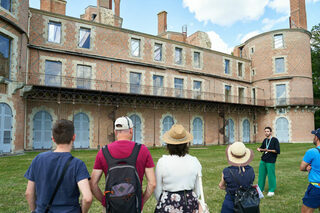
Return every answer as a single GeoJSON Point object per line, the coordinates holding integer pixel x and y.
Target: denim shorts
{"type": "Point", "coordinates": [312, 197]}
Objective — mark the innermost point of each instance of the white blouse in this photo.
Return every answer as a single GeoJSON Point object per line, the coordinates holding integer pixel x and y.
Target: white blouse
{"type": "Point", "coordinates": [176, 173]}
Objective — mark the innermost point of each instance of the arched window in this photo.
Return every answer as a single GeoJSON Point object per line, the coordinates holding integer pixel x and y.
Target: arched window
{"type": "Point", "coordinates": [81, 125]}
{"type": "Point", "coordinates": [136, 128]}
{"type": "Point", "coordinates": [246, 131]}
{"type": "Point", "coordinates": [197, 131]}
{"type": "Point", "coordinates": [42, 130]}
{"type": "Point", "coordinates": [167, 124]}
{"type": "Point", "coordinates": [282, 129]}
{"type": "Point", "coordinates": [230, 131]}
{"type": "Point", "coordinates": [5, 127]}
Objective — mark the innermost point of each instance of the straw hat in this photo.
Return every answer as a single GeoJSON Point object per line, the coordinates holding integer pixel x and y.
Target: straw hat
{"type": "Point", "coordinates": [238, 154]}
{"type": "Point", "coordinates": [177, 135]}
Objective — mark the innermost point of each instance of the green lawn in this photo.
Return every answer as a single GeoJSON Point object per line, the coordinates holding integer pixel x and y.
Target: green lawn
{"type": "Point", "coordinates": [291, 183]}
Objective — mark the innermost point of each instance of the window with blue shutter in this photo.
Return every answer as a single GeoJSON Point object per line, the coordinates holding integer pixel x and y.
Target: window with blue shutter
{"type": "Point", "coordinates": [197, 131]}
{"type": "Point", "coordinates": [246, 131]}
{"type": "Point", "coordinates": [230, 131]}
{"type": "Point", "coordinates": [5, 128]}
{"type": "Point", "coordinates": [167, 124]}
{"type": "Point", "coordinates": [42, 130]}
{"type": "Point", "coordinates": [136, 128]}
{"type": "Point", "coordinates": [81, 125]}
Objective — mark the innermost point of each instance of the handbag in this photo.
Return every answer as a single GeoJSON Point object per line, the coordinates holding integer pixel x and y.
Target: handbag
{"type": "Point", "coordinates": [58, 185]}
{"type": "Point", "coordinates": [246, 199]}
{"type": "Point", "coordinates": [204, 206]}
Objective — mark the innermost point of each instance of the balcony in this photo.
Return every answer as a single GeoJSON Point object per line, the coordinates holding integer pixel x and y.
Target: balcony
{"type": "Point", "coordinates": [126, 88]}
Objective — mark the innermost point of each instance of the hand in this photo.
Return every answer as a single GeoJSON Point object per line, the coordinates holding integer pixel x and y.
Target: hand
{"type": "Point", "coordinates": [258, 149]}
{"type": "Point", "coordinates": [309, 168]}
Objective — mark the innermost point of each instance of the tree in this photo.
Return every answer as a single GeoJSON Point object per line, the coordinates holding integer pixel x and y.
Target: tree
{"type": "Point", "coordinates": [315, 60]}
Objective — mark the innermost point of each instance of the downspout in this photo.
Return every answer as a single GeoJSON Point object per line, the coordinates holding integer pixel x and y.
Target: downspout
{"type": "Point", "coordinates": [26, 82]}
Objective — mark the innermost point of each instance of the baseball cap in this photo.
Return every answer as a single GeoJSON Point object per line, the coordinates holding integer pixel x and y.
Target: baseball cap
{"type": "Point", "coordinates": [123, 123]}
{"type": "Point", "coordinates": [316, 132]}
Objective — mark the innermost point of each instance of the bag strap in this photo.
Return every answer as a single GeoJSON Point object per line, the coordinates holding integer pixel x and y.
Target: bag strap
{"type": "Point", "coordinates": [58, 184]}
{"type": "Point", "coordinates": [131, 160]}
{"type": "Point", "coordinates": [201, 188]}
{"type": "Point", "coordinates": [318, 149]}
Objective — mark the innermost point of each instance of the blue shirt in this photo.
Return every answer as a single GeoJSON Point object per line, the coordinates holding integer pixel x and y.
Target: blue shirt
{"type": "Point", "coordinates": [45, 170]}
{"type": "Point", "coordinates": [312, 157]}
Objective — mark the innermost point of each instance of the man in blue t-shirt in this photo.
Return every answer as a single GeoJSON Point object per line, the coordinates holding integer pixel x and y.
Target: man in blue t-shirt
{"type": "Point", "coordinates": [46, 170]}
{"type": "Point", "coordinates": [311, 163]}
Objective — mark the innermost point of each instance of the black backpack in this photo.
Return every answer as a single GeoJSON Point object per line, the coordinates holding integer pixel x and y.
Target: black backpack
{"type": "Point", "coordinates": [246, 199]}
{"type": "Point", "coordinates": [123, 190]}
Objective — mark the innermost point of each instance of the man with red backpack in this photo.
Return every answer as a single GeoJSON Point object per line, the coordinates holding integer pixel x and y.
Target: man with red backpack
{"type": "Point", "coordinates": [124, 164]}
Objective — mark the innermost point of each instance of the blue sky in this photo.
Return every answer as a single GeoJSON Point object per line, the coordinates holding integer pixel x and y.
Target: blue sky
{"type": "Point", "coordinates": [228, 22]}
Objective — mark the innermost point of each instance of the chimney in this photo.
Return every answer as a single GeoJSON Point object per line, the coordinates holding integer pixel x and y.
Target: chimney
{"type": "Point", "coordinates": [105, 3]}
{"type": "Point", "coordinates": [298, 17]}
{"type": "Point", "coordinates": [117, 7]}
{"type": "Point", "coordinates": [162, 22]}
{"type": "Point", "coordinates": [54, 6]}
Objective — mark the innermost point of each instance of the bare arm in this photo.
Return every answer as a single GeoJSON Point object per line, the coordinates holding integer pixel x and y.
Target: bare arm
{"type": "Point", "coordinates": [222, 184]}
{"type": "Point", "coordinates": [304, 166]}
{"type": "Point", "coordinates": [151, 185]}
{"type": "Point", "coordinates": [86, 195]}
{"type": "Point", "coordinates": [31, 195]}
{"type": "Point", "coordinates": [95, 178]}
{"type": "Point", "coordinates": [261, 150]}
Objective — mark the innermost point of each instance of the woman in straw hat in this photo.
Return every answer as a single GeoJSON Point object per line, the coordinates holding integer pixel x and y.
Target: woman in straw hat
{"type": "Point", "coordinates": [177, 174]}
{"type": "Point", "coordinates": [239, 172]}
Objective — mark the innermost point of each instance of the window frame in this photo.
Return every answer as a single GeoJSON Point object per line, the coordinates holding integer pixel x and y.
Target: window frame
{"type": "Point", "coordinates": [139, 46]}
{"type": "Point", "coordinates": [79, 39]}
{"type": "Point", "coordinates": [180, 51]}
{"type": "Point", "coordinates": [55, 23]}
{"type": "Point", "coordinates": [161, 51]}
{"type": "Point", "coordinates": [45, 74]}
{"type": "Point", "coordinates": [196, 65]}
{"type": "Point", "coordinates": [83, 79]}
{"type": "Point", "coordinates": [227, 68]}
{"type": "Point", "coordinates": [283, 65]}
{"type": "Point", "coordinates": [275, 41]}
{"type": "Point", "coordinates": [9, 55]}
{"type": "Point", "coordinates": [10, 5]}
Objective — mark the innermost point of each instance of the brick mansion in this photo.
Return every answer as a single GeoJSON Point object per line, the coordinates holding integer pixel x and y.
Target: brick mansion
{"type": "Point", "coordinates": [91, 70]}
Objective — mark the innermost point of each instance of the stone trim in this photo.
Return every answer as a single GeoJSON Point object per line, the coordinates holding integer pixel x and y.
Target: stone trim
{"type": "Point", "coordinates": [142, 83]}
{"type": "Point", "coordinates": [92, 35]}
{"type": "Point", "coordinates": [93, 66]}
{"type": "Point", "coordinates": [224, 66]}
{"type": "Point", "coordinates": [42, 70]}
{"type": "Point", "coordinates": [46, 21]}
{"type": "Point", "coordinates": [163, 59]}
{"type": "Point", "coordinates": [183, 52]}
{"type": "Point", "coordinates": [201, 59]}
{"type": "Point", "coordinates": [285, 63]}
{"type": "Point", "coordinates": [142, 41]}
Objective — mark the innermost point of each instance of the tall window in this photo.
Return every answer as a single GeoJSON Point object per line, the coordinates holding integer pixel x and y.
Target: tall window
{"type": "Point", "coordinates": [246, 131]}
{"type": "Point", "coordinates": [196, 59]}
{"type": "Point", "coordinates": [135, 47]}
{"type": "Point", "coordinates": [281, 94]}
{"type": "Point", "coordinates": [167, 124]}
{"type": "Point", "coordinates": [54, 32]}
{"type": "Point", "coordinates": [84, 38]}
{"type": "Point", "coordinates": [157, 85]}
{"type": "Point", "coordinates": [135, 82]}
{"type": "Point", "coordinates": [157, 52]}
{"type": "Point", "coordinates": [178, 55]}
{"type": "Point", "coordinates": [53, 73]}
{"type": "Point", "coordinates": [42, 130]}
{"type": "Point", "coordinates": [226, 66]}
{"type": "Point", "coordinates": [197, 89]}
{"type": "Point", "coordinates": [254, 96]}
{"type": "Point", "coordinates": [81, 127]}
{"type": "Point", "coordinates": [83, 77]}
{"type": "Point", "coordinates": [279, 63]}
{"type": "Point", "coordinates": [4, 56]}
{"type": "Point", "coordinates": [229, 131]}
{"type": "Point", "coordinates": [5, 128]}
{"type": "Point", "coordinates": [240, 71]}
{"type": "Point", "coordinates": [197, 131]}
{"type": "Point", "coordinates": [241, 96]}
{"type": "Point", "coordinates": [227, 93]}
{"type": "Point", "coordinates": [136, 128]}
{"type": "Point", "coordinates": [178, 86]}
{"type": "Point", "coordinates": [278, 41]}
{"type": "Point", "coordinates": [6, 4]}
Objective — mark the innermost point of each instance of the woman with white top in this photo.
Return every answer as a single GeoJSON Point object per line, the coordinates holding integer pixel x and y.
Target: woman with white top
{"type": "Point", "coordinates": [178, 186]}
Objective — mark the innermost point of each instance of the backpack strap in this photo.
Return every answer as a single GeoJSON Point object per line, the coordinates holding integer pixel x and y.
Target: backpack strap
{"type": "Point", "coordinates": [131, 160]}
{"type": "Point", "coordinates": [318, 149]}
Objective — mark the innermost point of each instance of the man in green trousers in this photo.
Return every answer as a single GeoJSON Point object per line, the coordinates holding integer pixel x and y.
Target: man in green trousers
{"type": "Point", "coordinates": [270, 149]}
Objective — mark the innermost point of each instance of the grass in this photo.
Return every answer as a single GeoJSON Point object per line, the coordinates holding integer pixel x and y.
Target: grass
{"type": "Point", "coordinates": [291, 182]}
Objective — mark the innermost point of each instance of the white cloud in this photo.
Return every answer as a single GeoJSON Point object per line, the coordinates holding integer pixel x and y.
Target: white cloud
{"type": "Point", "coordinates": [270, 23]}
{"type": "Point", "coordinates": [280, 6]}
{"type": "Point", "coordinates": [226, 12]}
{"type": "Point", "coordinates": [250, 35]}
{"type": "Point", "coordinates": [218, 44]}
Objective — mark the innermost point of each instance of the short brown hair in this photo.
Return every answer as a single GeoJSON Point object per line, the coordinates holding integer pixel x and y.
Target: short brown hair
{"type": "Point", "coordinates": [268, 127]}
{"type": "Point", "coordinates": [180, 149]}
{"type": "Point", "coordinates": [63, 131]}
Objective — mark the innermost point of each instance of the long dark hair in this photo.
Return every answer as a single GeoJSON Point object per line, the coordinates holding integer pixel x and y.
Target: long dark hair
{"type": "Point", "coordinates": [180, 149]}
